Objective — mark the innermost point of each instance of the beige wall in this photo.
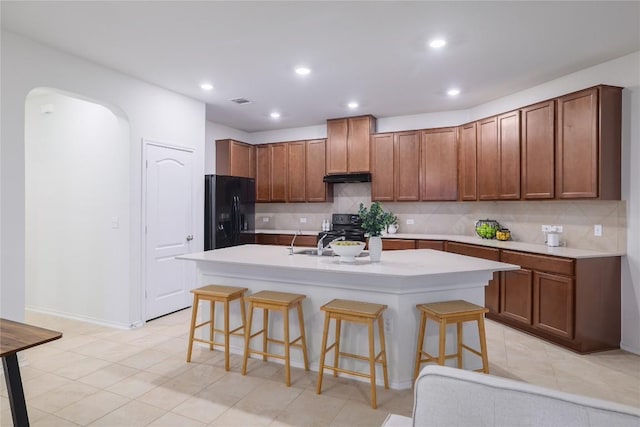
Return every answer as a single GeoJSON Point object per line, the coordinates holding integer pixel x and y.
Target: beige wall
{"type": "Point", "coordinates": [522, 218]}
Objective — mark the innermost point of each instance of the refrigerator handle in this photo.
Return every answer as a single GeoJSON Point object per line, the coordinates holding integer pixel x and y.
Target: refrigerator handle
{"type": "Point", "coordinates": [235, 220]}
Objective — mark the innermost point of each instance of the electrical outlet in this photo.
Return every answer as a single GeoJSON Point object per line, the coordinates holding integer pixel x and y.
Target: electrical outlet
{"type": "Point", "coordinates": [265, 219]}
{"type": "Point", "coordinates": [303, 220]}
{"type": "Point", "coordinates": [410, 221]}
{"type": "Point", "coordinates": [388, 325]}
{"type": "Point", "coordinates": [546, 228]}
{"type": "Point", "coordinates": [597, 230]}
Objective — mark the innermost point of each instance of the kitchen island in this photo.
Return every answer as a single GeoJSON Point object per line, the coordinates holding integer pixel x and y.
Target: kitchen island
{"type": "Point", "coordinates": [400, 280]}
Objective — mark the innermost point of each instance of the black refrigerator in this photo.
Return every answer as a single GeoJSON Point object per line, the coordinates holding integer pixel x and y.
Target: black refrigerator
{"type": "Point", "coordinates": [229, 211]}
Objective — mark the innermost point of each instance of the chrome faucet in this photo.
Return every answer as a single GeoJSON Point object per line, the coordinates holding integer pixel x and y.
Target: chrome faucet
{"type": "Point", "coordinates": [320, 245]}
{"type": "Point", "coordinates": [293, 241]}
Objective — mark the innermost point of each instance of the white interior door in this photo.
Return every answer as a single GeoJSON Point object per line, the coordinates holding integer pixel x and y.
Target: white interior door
{"type": "Point", "coordinates": [169, 229]}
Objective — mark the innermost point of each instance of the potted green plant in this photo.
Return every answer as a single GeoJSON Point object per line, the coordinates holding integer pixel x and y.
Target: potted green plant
{"type": "Point", "coordinates": [374, 222]}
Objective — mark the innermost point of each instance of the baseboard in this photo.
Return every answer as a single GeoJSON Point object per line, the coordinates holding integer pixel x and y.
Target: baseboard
{"type": "Point", "coordinates": [630, 348]}
{"type": "Point", "coordinates": [81, 318]}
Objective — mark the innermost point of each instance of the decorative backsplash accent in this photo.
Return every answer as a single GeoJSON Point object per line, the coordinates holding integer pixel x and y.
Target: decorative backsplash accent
{"type": "Point", "coordinates": [524, 219]}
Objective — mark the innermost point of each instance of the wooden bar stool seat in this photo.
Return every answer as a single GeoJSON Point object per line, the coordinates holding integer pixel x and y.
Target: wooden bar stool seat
{"type": "Point", "coordinates": [213, 294]}
{"type": "Point", "coordinates": [357, 312]}
{"type": "Point", "coordinates": [282, 302]}
{"type": "Point", "coordinates": [445, 313]}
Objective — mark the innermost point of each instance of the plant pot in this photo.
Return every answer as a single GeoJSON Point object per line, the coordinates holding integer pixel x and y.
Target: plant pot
{"type": "Point", "coordinates": [375, 248]}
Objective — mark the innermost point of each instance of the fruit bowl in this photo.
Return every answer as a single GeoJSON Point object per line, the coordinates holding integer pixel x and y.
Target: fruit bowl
{"type": "Point", "coordinates": [347, 249]}
{"type": "Point", "coordinates": [487, 228]}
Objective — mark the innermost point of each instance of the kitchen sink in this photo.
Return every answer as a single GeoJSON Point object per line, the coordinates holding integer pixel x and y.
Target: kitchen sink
{"type": "Point", "coordinates": [326, 252]}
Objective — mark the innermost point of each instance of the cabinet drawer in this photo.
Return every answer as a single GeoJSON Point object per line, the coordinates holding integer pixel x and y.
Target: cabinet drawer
{"type": "Point", "coordinates": [398, 244]}
{"type": "Point", "coordinates": [539, 262]}
{"type": "Point", "coordinates": [491, 254]}
{"type": "Point", "coordinates": [430, 244]}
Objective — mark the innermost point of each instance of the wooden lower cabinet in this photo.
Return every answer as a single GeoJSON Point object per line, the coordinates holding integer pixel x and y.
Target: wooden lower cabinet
{"type": "Point", "coordinates": [553, 304]}
{"type": "Point", "coordinates": [437, 245]}
{"type": "Point", "coordinates": [285, 240]}
{"type": "Point", "coordinates": [398, 244]}
{"type": "Point", "coordinates": [516, 293]}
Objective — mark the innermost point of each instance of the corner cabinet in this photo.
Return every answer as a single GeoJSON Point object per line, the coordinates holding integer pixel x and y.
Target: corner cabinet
{"type": "Point", "coordinates": [588, 136]}
{"type": "Point", "coordinates": [348, 144]}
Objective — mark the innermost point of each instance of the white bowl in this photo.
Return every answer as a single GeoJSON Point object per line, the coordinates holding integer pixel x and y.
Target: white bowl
{"type": "Point", "coordinates": [347, 249]}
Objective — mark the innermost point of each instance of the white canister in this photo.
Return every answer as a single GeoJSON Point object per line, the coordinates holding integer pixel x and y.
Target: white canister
{"type": "Point", "coordinates": [553, 239]}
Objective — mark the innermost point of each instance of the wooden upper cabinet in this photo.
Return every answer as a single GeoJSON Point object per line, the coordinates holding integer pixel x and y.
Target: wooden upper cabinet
{"type": "Point", "coordinates": [588, 144]}
{"type": "Point", "coordinates": [488, 159]}
{"type": "Point", "coordinates": [337, 133]}
{"type": "Point", "coordinates": [279, 171]}
{"type": "Point", "coordinates": [467, 138]}
{"type": "Point", "coordinates": [348, 144]}
{"type": "Point", "coordinates": [538, 150]}
{"type": "Point", "coordinates": [382, 167]}
{"type": "Point", "coordinates": [439, 164]}
{"type": "Point", "coordinates": [406, 152]}
{"type": "Point", "coordinates": [263, 173]}
{"type": "Point", "coordinates": [235, 158]}
{"type": "Point", "coordinates": [316, 189]}
{"type": "Point", "coordinates": [509, 149]}
{"type": "Point", "coordinates": [296, 177]}
{"type": "Point", "coordinates": [499, 157]}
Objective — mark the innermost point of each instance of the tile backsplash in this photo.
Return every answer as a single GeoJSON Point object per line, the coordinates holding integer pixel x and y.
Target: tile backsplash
{"type": "Point", "coordinates": [524, 219]}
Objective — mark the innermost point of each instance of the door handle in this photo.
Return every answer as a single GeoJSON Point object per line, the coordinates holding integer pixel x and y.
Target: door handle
{"type": "Point", "coordinates": [189, 238]}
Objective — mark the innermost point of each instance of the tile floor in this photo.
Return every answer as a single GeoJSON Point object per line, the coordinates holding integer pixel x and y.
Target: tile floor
{"type": "Point", "coordinates": [98, 376]}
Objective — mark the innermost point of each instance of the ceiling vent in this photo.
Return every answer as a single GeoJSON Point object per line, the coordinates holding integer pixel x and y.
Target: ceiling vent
{"type": "Point", "coordinates": [240, 101]}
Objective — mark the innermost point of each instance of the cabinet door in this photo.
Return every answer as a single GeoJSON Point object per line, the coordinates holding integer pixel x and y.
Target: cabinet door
{"type": "Point", "coordinates": [467, 158]}
{"type": "Point", "coordinates": [382, 167]}
{"type": "Point", "coordinates": [358, 151]}
{"type": "Point", "coordinates": [406, 160]}
{"type": "Point", "coordinates": [263, 173]}
{"type": "Point", "coordinates": [337, 132]}
{"type": "Point", "coordinates": [488, 159]}
{"type": "Point", "coordinates": [577, 145]}
{"type": "Point", "coordinates": [240, 159]}
{"type": "Point", "coordinates": [553, 302]}
{"type": "Point", "coordinates": [538, 150]}
{"type": "Point", "coordinates": [439, 164]}
{"type": "Point", "coordinates": [516, 293]}
{"type": "Point", "coordinates": [509, 149]}
{"type": "Point", "coordinates": [296, 165]}
{"type": "Point", "coordinates": [252, 161]}
{"type": "Point", "coordinates": [317, 190]}
{"type": "Point", "coordinates": [278, 172]}
{"type": "Point", "coordinates": [267, 239]}
{"type": "Point", "coordinates": [398, 244]}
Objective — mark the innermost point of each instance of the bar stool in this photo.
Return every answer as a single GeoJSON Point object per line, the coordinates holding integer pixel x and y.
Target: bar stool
{"type": "Point", "coordinates": [357, 312]}
{"type": "Point", "coordinates": [444, 313]}
{"type": "Point", "coordinates": [282, 302]}
{"type": "Point", "coordinates": [213, 294]}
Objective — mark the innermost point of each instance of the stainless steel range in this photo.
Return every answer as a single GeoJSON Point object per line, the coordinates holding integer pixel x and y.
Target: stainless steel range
{"type": "Point", "coordinates": [343, 225]}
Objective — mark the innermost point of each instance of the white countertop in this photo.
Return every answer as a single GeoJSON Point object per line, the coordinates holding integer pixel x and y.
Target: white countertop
{"type": "Point", "coordinates": [516, 246]}
{"type": "Point", "coordinates": [419, 263]}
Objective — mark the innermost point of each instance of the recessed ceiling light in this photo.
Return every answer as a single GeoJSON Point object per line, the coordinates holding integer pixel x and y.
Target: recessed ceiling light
{"type": "Point", "coordinates": [353, 105]}
{"type": "Point", "coordinates": [437, 43]}
{"type": "Point", "coordinates": [303, 71]}
{"type": "Point", "coordinates": [206, 86]}
{"type": "Point", "coordinates": [453, 92]}
{"type": "Point", "coordinates": [275, 115]}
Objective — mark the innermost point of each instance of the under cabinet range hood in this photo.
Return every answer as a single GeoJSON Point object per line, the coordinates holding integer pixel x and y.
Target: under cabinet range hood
{"type": "Point", "coordinates": [348, 177]}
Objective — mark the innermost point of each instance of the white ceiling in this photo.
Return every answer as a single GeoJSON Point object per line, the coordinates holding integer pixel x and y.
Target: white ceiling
{"type": "Point", "coordinates": [372, 52]}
